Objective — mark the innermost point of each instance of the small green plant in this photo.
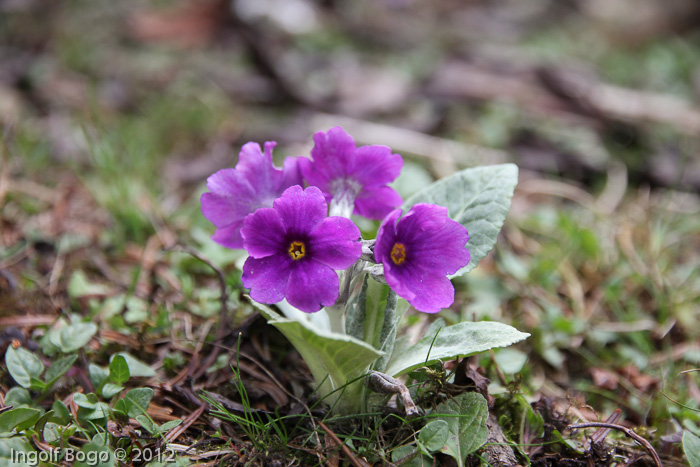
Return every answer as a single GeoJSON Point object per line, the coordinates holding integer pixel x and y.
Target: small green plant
{"type": "Point", "coordinates": [25, 416]}
{"type": "Point", "coordinates": [345, 323]}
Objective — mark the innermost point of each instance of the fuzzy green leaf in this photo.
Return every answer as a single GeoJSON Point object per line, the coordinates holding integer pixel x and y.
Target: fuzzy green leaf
{"type": "Point", "coordinates": [479, 199]}
{"type": "Point", "coordinates": [466, 417]}
{"type": "Point", "coordinates": [458, 340]}
{"type": "Point", "coordinates": [434, 435]}
{"type": "Point", "coordinates": [23, 365]}
{"type": "Point", "coordinates": [334, 359]}
{"type": "Point", "coordinates": [691, 447]}
{"type": "Point", "coordinates": [409, 456]}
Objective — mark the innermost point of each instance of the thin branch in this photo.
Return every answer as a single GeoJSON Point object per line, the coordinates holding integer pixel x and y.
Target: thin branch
{"type": "Point", "coordinates": [357, 462]}
{"type": "Point", "coordinates": [645, 444]}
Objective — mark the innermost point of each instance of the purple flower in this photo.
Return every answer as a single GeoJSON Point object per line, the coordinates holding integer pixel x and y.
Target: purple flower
{"type": "Point", "coordinates": [346, 173]}
{"type": "Point", "coordinates": [235, 193]}
{"type": "Point", "coordinates": [418, 252]}
{"type": "Point", "coordinates": [294, 249]}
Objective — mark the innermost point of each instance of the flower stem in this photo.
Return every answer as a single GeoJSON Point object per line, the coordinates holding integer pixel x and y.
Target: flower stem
{"type": "Point", "coordinates": [342, 206]}
{"type": "Point", "coordinates": [336, 316]}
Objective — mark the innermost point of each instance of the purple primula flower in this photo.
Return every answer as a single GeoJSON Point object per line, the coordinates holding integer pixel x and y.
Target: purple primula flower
{"type": "Point", "coordinates": [235, 193]}
{"type": "Point", "coordinates": [418, 252]}
{"type": "Point", "coordinates": [294, 249]}
{"type": "Point", "coordinates": [348, 174]}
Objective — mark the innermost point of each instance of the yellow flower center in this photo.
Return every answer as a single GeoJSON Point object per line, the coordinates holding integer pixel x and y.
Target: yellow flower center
{"type": "Point", "coordinates": [297, 250]}
{"type": "Point", "coordinates": [398, 253]}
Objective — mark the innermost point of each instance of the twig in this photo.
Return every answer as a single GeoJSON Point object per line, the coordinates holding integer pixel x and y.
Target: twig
{"type": "Point", "coordinates": [186, 423]}
{"type": "Point", "coordinates": [602, 432]}
{"type": "Point", "coordinates": [357, 462]}
{"type": "Point", "coordinates": [645, 444]}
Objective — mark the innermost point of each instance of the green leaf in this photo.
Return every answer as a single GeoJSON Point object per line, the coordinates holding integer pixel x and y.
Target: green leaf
{"type": "Point", "coordinates": [41, 422]}
{"type": "Point", "coordinates": [119, 370]}
{"type": "Point", "coordinates": [148, 424]}
{"type": "Point", "coordinates": [98, 375]}
{"type": "Point", "coordinates": [691, 448]}
{"type": "Point", "coordinates": [409, 456]}
{"type": "Point", "coordinates": [80, 286]}
{"type": "Point", "coordinates": [121, 407]}
{"type": "Point", "coordinates": [334, 359]}
{"type": "Point", "coordinates": [110, 390]}
{"type": "Point", "coordinates": [23, 365]}
{"type": "Point", "coordinates": [137, 369]}
{"type": "Point", "coordinates": [11, 449]}
{"type": "Point", "coordinates": [58, 369]}
{"type": "Point", "coordinates": [479, 199]}
{"type": "Point", "coordinates": [72, 337]}
{"type": "Point", "coordinates": [511, 361]}
{"type": "Point", "coordinates": [167, 426]}
{"type": "Point", "coordinates": [85, 401]}
{"type": "Point", "coordinates": [51, 432]}
{"type": "Point", "coordinates": [412, 178]}
{"type": "Point", "coordinates": [61, 414]}
{"type": "Point", "coordinates": [434, 435]}
{"type": "Point", "coordinates": [100, 411]}
{"type": "Point", "coordinates": [137, 401]}
{"type": "Point", "coordinates": [18, 396]}
{"type": "Point", "coordinates": [466, 417]}
{"type": "Point", "coordinates": [459, 340]}
{"type": "Point", "coordinates": [35, 384]}
{"type": "Point", "coordinates": [16, 417]}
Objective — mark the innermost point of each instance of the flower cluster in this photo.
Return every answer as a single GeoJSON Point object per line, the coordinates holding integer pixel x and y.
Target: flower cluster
{"type": "Point", "coordinates": [295, 247]}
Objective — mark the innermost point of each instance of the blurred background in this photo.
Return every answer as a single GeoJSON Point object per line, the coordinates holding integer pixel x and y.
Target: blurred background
{"type": "Point", "coordinates": [565, 87]}
{"type": "Point", "coordinates": [114, 113]}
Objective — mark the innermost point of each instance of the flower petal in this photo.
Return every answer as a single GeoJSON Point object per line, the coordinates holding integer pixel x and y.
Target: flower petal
{"type": "Point", "coordinates": [335, 242]}
{"type": "Point", "coordinates": [229, 236]}
{"type": "Point", "coordinates": [376, 165]}
{"type": "Point", "coordinates": [263, 233]}
{"type": "Point", "coordinates": [260, 172]}
{"type": "Point", "coordinates": [291, 174]}
{"type": "Point", "coordinates": [333, 153]}
{"type": "Point", "coordinates": [422, 287]}
{"type": "Point", "coordinates": [433, 240]}
{"type": "Point", "coordinates": [444, 250]}
{"type": "Point", "coordinates": [230, 183]}
{"type": "Point", "coordinates": [421, 218]}
{"type": "Point", "coordinates": [311, 285]}
{"type": "Point", "coordinates": [386, 237]}
{"type": "Point", "coordinates": [267, 277]}
{"type": "Point", "coordinates": [376, 202]}
{"type": "Point", "coordinates": [433, 245]}
{"type": "Point", "coordinates": [300, 210]}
